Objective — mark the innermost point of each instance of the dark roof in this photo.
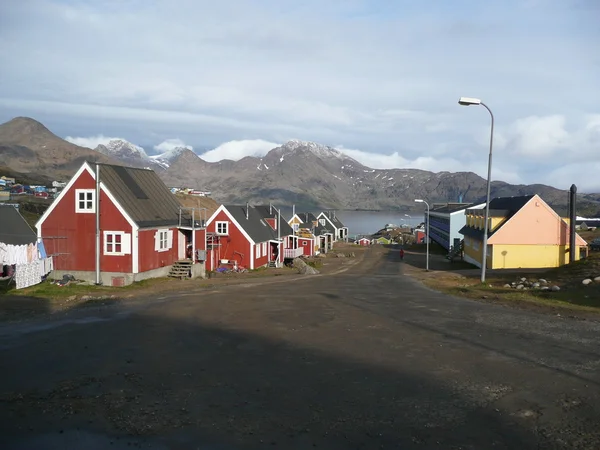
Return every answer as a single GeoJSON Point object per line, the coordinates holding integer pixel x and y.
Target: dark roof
{"type": "Point", "coordinates": [143, 195]}
{"type": "Point", "coordinates": [334, 219]}
{"type": "Point", "coordinates": [271, 213]}
{"type": "Point", "coordinates": [307, 219]}
{"type": "Point", "coordinates": [510, 203]}
{"type": "Point", "coordinates": [255, 224]}
{"type": "Point", "coordinates": [14, 230]}
{"type": "Point", "coordinates": [451, 207]}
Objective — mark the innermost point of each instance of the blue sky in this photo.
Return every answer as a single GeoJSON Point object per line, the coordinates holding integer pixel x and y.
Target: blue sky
{"type": "Point", "coordinates": [378, 79]}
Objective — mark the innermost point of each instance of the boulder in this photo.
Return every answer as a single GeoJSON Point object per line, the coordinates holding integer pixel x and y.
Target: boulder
{"type": "Point", "coordinates": [520, 286]}
{"type": "Point", "coordinates": [586, 281]}
{"type": "Point", "coordinates": [555, 288]}
{"type": "Point", "coordinates": [597, 279]}
{"type": "Point", "coordinates": [341, 255]}
{"type": "Point", "coordinates": [535, 285]}
{"type": "Point", "coordinates": [507, 285]}
{"type": "Point", "coordinates": [542, 281]}
{"type": "Point", "coordinates": [545, 288]}
{"type": "Point", "coordinates": [523, 279]}
{"type": "Point", "coordinates": [304, 268]}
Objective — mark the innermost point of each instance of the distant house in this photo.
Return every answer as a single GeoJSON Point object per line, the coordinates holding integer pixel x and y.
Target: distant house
{"type": "Point", "coordinates": [445, 222]}
{"type": "Point", "coordinates": [22, 257]}
{"type": "Point", "coordinates": [365, 242]}
{"type": "Point", "coordinates": [330, 220]}
{"type": "Point", "coordinates": [245, 236]}
{"type": "Point", "coordinates": [524, 232]}
{"type": "Point", "coordinates": [303, 226]}
{"type": "Point", "coordinates": [142, 228]}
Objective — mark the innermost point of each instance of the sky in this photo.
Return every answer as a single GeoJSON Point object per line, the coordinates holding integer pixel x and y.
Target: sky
{"type": "Point", "coordinates": [377, 79]}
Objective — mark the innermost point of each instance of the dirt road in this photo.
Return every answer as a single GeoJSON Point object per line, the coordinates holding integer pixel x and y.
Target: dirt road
{"type": "Point", "coordinates": [364, 359]}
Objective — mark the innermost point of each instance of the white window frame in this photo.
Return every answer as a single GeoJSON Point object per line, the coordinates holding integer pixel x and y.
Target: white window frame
{"type": "Point", "coordinates": [163, 240]}
{"type": "Point", "coordinates": [296, 227]}
{"type": "Point", "coordinates": [257, 251]}
{"type": "Point", "coordinates": [124, 243]}
{"type": "Point", "coordinates": [322, 222]}
{"type": "Point", "coordinates": [88, 197]}
{"type": "Point", "coordinates": [264, 249]}
{"type": "Point", "coordinates": [223, 226]}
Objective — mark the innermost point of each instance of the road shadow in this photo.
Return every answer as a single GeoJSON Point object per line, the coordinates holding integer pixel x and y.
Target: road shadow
{"type": "Point", "coordinates": [184, 383]}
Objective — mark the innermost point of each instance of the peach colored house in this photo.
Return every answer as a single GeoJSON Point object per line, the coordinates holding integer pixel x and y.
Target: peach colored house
{"type": "Point", "coordinates": [524, 232]}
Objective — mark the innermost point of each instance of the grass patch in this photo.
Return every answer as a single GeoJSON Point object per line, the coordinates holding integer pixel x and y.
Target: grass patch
{"type": "Point", "coordinates": [573, 295]}
{"type": "Point", "coordinates": [49, 290]}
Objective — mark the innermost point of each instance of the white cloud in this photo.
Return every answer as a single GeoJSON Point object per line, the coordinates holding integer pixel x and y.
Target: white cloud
{"type": "Point", "coordinates": [90, 142]}
{"type": "Point", "coordinates": [170, 144]}
{"type": "Point", "coordinates": [237, 150]}
{"type": "Point", "coordinates": [322, 84]}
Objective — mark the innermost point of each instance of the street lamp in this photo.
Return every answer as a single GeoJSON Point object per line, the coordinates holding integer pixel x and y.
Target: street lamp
{"type": "Point", "coordinates": [468, 101]}
{"type": "Point", "coordinates": [418, 200]}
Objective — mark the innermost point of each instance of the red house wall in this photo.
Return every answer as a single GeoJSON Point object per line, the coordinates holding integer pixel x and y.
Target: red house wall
{"type": "Point", "coordinates": [71, 236]}
{"type": "Point", "coordinates": [152, 259]}
{"type": "Point", "coordinates": [307, 250]}
{"type": "Point", "coordinates": [234, 246]}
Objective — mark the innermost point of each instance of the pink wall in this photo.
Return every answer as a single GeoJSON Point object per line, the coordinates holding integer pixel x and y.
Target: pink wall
{"type": "Point", "coordinates": [534, 224]}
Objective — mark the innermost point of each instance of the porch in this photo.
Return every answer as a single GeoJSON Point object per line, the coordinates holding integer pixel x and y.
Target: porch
{"type": "Point", "coordinates": [291, 253]}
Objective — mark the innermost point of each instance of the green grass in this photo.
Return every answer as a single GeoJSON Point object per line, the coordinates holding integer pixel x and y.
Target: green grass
{"type": "Point", "coordinates": [49, 290]}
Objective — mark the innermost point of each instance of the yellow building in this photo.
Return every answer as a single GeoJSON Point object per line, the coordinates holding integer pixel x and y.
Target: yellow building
{"type": "Point", "coordinates": [523, 232]}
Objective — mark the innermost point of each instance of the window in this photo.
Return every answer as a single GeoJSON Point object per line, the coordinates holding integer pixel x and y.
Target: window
{"type": "Point", "coordinates": [304, 242]}
{"type": "Point", "coordinates": [475, 244]}
{"type": "Point", "coordinates": [264, 250]}
{"type": "Point", "coordinates": [222, 228]}
{"type": "Point", "coordinates": [117, 243]}
{"type": "Point", "coordinates": [163, 240]}
{"type": "Point", "coordinates": [85, 200]}
{"type": "Point", "coordinates": [258, 250]}
{"type": "Point", "coordinates": [296, 227]}
{"type": "Point", "coordinates": [322, 222]}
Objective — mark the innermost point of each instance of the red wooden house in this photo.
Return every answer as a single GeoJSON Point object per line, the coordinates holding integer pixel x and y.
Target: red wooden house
{"type": "Point", "coordinates": [247, 236]}
{"type": "Point", "coordinates": [365, 242]}
{"type": "Point", "coordinates": [130, 216]}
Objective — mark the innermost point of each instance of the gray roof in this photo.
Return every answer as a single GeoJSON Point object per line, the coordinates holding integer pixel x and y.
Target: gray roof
{"type": "Point", "coordinates": [142, 194]}
{"type": "Point", "coordinates": [254, 222]}
{"type": "Point", "coordinates": [308, 222]}
{"type": "Point", "coordinates": [334, 220]}
{"type": "Point", "coordinates": [14, 230]}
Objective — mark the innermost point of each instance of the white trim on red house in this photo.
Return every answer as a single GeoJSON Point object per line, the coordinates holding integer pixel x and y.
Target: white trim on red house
{"type": "Point", "coordinates": [222, 208]}
{"type": "Point", "coordinates": [69, 185]}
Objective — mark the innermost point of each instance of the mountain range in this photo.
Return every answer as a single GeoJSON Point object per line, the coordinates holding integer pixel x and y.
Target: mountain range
{"type": "Point", "coordinates": [307, 174]}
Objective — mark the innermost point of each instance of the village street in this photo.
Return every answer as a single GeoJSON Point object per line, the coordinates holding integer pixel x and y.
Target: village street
{"type": "Point", "coordinates": [363, 359]}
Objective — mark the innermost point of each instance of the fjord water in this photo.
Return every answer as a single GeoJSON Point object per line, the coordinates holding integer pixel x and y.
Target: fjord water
{"type": "Point", "coordinates": [368, 222]}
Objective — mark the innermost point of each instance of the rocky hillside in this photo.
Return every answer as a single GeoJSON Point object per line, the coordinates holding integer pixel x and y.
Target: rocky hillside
{"type": "Point", "coordinates": [28, 148]}
{"type": "Point", "coordinates": [314, 175]}
{"type": "Point", "coordinates": [307, 174]}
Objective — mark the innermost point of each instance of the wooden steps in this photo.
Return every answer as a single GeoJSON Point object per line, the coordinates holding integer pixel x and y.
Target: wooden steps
{"type": "Point", "coordinates": [181, 269]}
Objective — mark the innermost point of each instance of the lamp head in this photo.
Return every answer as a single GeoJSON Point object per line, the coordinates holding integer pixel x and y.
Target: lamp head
{"type": "Point", "coordinates": [418, 200]}
{"type": "Point", "coordinates": [468, 101]}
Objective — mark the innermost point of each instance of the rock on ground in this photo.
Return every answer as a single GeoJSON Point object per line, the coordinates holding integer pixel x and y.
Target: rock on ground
{"type": "Point", "coordinates": [303, 268]}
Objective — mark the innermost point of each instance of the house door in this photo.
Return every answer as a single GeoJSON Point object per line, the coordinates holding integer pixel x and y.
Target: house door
{"type": "Point", "coordinates": [181, 245]}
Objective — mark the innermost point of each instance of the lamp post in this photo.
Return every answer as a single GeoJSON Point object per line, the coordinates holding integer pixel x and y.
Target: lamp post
{"type": "Point", "coordinates": [418, 200]}
{"type": "Point", "coordinates": [468, 101]}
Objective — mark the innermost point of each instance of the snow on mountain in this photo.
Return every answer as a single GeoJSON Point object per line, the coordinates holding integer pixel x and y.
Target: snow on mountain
{"type": "Point", "coordinates": [322, 151]}
{"type": "Point", "coordinates": [122, 149]}
{"type": "Point", "coordinates": [165, 159]}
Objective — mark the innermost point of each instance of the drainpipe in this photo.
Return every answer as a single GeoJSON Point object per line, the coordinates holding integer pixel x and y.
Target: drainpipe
{"type": "Point", "coordinates": [572, 218]}
{"type": "Point", "coordinates": [193, 235]}
{"type": "Point", "coordinates": [278, 236]}
{"type": "Point", "coordinates": [97, 200]}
